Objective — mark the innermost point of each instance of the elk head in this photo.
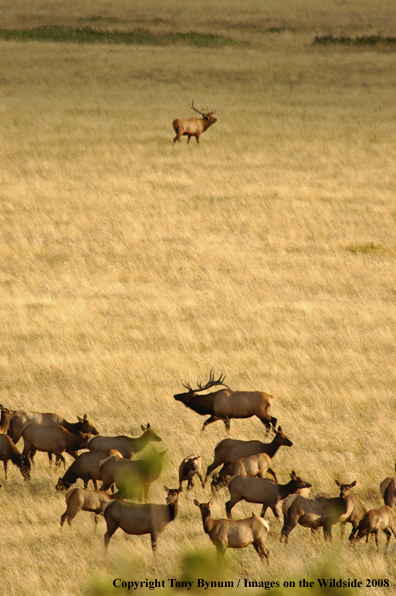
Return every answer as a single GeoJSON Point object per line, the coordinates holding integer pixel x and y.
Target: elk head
{"type": "Point", "coordinates": [206, 114]}
{"type": "Point", "coordinates": [185, 397]}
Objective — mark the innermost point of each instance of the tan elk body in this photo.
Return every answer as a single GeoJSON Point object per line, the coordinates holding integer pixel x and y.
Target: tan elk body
{"type": "Point", "coordinates": [138, 519]}
{"type": "Point", "coordinates": [373, 521]}
{"type": "Point", "coordinates": [190, 466]}
{"type": "Point", "coordinates": [21, 418]}
{"type": "Point", "coordinates": [262, 490]}
{"type": "Point", "coordinates": [388, 490]}
{"type": "Point", "coordinates": [9, 452]}
{"type": "Point", "coordinates": [231, 450]}
{"type": "Point", "coordinates": [132, 477]}
{"type": "Point", "coordinates": [193, 127]}
{"type": "Point", "coordinates": [78, 499]}
{"type": "Point", "coordinates": [127, 446]}
{"type": "Point", "coordinates": [226, 533]}
{"type": "Point", "coordinates": [86, 467]}
{"type": "Point", "coordinates": [255, 466]}
{"type": "Point", "coordinates": [51, 439]}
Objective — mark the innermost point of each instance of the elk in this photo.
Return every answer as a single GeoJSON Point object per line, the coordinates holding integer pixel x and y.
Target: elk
{"type": "Point", "coordinates": [226, 533]}
{"type": "Point", "coordinates": [323, 511]}
{"type": "Point", "coordinates": [127, 446]}
{"type": "Point", "coordinates": [22, 418]}
{"type": "Point", "coordinates": [8, 451]}
{"type": "Point", "coordinates": [132, 478]}
{"type": "Point", "coordinates": [138, 519]}
{"type": "Point", "coordinates": [5, 420]}
{"type": "Point", "coordinates": [193, 127]}
{"type": "Point", "coordinates": [78, 500]}
{"type": "Point", "coordinates": [254, 466]}
{"type": "Point", "coordinates": [373, 521]}
{"type": "Point", "coordinates": [229, 450]}
{"type": "Point", "coordinates": [86, 467]}
{"type": "Point", "coordinates": [388, 490]}
{"type": "Point", "coordinates": [262, 490]}
{"type": "Point", "coordinates": [51, 439]}
{"type": "Point", "coordinates": [225, 403]}
{"type": "Point", "coordinates": [189, 467]}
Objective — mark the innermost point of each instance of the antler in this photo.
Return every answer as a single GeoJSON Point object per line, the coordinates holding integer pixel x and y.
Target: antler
{"type": "Point", "coordinates": [202, 111]}
{"type": "Point", "coordinates": [211, 383]}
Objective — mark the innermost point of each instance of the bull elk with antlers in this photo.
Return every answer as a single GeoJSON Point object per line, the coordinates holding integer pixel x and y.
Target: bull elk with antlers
{"type": "Point", "coordinates": [225, 403]}
{"type": "Point", "coordinates": [193, 127]}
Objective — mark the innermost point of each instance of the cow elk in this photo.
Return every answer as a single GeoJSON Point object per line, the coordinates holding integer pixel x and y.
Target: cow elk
{"type": "Point", "coordinates": [9, 451]}
{"type": "Point", "coordinates": [193, 127]}
{"type": "Point", "coordinates": [22, 418]}
{"type": "Point", "coordinates": [52, 440]}
{"type": "Point", "coordinates": [262, 490]}
{"type": "Point", "coordinates": [228, 451]}
{"type": "Point", "coordinates": [373, 521]}
{"type": "Point", "coordinates": [255, 466]}
{"type": "Point", "coordinates": [127, 446]}
{"type": "Point", "coordinates": [388, 490]}
{"type": "Point", "coordinates": [225, 403]}
{"type": "Point", "coordinates": [86, 467]}
{"type": "Point", "coordinates": [139, 519]}
{"type": "Point", "coordinates": [78, 500]}
{"type": "Point", "coordinates": [323, 511]}
{"type": "Point", "coordinates": [190, 466]}
{"type": "Point", "coordinates": [226, 533]}
{"type": "Point", "coordinates": [132, 478]}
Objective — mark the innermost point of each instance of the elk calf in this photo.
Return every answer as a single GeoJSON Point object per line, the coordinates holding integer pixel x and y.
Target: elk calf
{"type": "Point", "coordinates": [226, 533]}
{"type": "Point", "coordinates": [78, 499]}
{"type": "Point", "coordinates": [373, 521]}
{"type": "Point", "coordinates": [139, 519]}
{"type": "Point", "coordinates": [189, 467]}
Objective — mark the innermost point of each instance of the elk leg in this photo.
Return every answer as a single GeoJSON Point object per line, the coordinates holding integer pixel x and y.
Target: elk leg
{"type": "Point", "coordinates": [229, 505]}
{"type": "Point", "coordinates": [327, 529]}
{"type": "Point", "coordinates": [5, 468]}
{"type": "Point", "coordinates": [220, 552]}
{"type": "Point", "coordinates": [388, 536]}
{"type": "Point", "coordinates": [197, 137]}
{"type": "Point", "coordinates": [227, 424]}
{"type": "Point", "coordinates": [153, 536]}
{"type": "Point", "coordinates": [111, 528]}
{"type": "Point", "coordinates": [60, 457]}
{"type": "Point", "coordinates": [209, 421]}
{"type": "Point", "coordinates": [270, 471]}
{"type": "Point", "coordinates": [261, 551]}
{"type": "Point", "coordinates": [201, 479]}
{"type": "Point", "coordinates": [188, 139]}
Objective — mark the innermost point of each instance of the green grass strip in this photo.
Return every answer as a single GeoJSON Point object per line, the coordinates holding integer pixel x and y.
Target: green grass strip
{"type": "Point", "coordinates": [137, 36]}
{"type": "Point", "coordinates": [364, 40]}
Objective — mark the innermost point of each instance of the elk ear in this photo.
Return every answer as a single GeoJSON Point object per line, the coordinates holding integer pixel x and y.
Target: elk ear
{"type": "Point", "coordinates": [80, 419]}
{"type": "Point", "coordinates": [166, 488]}
{"type": "Point", "coordinates": [148, 424]}
{"type": "Point", "coordinates": [196, 502]}
{"type": "Point", "coordinates": [353, 483]}
{"type": "Point", "coordinates": [338, 483]}
{"type": "Point", "coordinates": [279, 429]}
{"type": "Point", "coordinates": [85, 417]}
{"type": "Point", "coordinates": [293, 475]}
{"type": "Point", "coordinates": [210, 502]}
{"type": "Point", "coordinates": [142, 427]}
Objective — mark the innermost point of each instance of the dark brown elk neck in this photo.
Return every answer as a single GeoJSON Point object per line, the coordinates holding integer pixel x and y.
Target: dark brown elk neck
{"type": "Point", "coordinates": [272, 448]}
{"type": "Point", "coordinates": [287, 489]}
{"type": "Point", "coordinates": [72, 427]}
{"type": "Point", "coordinates": [173, 509]}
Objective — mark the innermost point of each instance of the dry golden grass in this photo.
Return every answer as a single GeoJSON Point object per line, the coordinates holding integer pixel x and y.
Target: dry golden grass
{"type": "Point", "coordinates": [130, 265]}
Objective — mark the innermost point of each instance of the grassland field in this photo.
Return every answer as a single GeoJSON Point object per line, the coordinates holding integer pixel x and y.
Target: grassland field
{"type": "Point", "coordinates": [131, 265]}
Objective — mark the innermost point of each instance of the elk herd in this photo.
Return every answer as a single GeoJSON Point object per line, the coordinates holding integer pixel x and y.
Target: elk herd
{"type": "Point", "coordinates": [244, 463]}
